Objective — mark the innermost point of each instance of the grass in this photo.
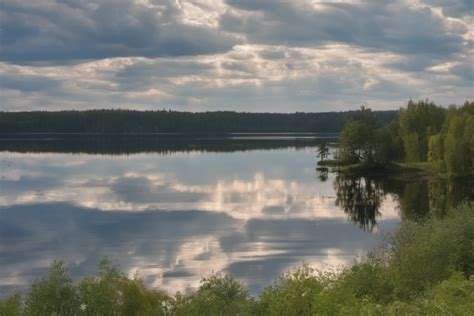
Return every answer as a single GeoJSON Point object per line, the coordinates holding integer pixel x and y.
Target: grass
{"type": "Point", "coordinates": [433, 166]}
{"type": "Point", "coordinates": [427, 269]}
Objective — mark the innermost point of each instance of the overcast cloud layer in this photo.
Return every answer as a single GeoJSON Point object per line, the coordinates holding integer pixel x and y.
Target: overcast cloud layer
{"type": "Point", "coordinates": [243, 55]}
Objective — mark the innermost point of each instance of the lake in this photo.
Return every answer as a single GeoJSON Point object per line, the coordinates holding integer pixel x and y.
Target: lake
{"type": "Point", "coordinates": [175, 208]}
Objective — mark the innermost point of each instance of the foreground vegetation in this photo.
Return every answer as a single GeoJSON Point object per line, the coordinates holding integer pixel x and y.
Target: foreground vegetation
{"type": "Point", "coordinates": [427, 269]}
{"type": "Point", "coordinates": [424, 137]}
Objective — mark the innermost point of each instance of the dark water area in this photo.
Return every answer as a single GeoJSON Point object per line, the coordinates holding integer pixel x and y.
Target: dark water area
{"type": "Point", "coordinates": [162, 143]}
{"type": "Point", "coordinates": [176, 208]}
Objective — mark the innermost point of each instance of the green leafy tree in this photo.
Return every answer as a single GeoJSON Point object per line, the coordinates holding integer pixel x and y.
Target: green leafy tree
{"type": "Point", "coordinates": [351, 141]}
{"type": "Point", "coordinates": [457, 153]}
{"type": "Point", "coordinates": [294, 293]}
{"type": "Point", "coordinates": [417, 122]}
{"type": "Point", "coordinates": [114, 293]}
{"type": "Point", "coordinates": [11, 306]}
{"type": "Point", "coordinates": [384, 147]}
{"type": "Point", "coordinates": [54, 294]}
{"type": "Point", "coordinates": [358, 138]}
{"type": "Point", "coordinates": [435, 148]}
{"type": "Point", "coordinates": [411, 146]}
{"type": "Point", "coordinates": [217, 295]}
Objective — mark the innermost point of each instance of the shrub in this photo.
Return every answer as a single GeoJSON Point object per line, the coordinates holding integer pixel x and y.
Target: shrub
{"type": "Point", "coordinates": [293, 293]}
{"type": "Point", "coordinates": [425, 254]}
{"type": "Point", "coordinates": [217, 295]}
{"type": "Point", "coordinates": [54, 294]}
{"type": "Point", "coordinates": [11, 306]}
{"type": "Point", "coordinates": [113, 293]}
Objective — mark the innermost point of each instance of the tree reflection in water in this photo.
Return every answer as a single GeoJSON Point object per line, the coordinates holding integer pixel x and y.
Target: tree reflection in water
{"type": "Point", "coordinates": [360, 199]}
{"type": "Point", "coordinates": [323, 173]}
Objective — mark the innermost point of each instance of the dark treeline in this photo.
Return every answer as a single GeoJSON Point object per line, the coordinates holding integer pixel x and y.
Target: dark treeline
{"type": "Point", "coordinates": [128, 121]}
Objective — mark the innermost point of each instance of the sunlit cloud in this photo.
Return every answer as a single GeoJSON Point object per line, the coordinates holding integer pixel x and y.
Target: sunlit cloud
{"type": "Point", "coordinates": [234, 55]}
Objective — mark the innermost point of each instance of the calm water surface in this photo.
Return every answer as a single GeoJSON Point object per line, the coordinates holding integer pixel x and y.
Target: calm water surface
{"type": "Point", "coordinates": [175, 210]}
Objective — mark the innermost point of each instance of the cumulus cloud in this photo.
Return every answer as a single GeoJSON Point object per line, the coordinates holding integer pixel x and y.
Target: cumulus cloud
{"type": "Point", "coordinates": [385, 25]}
{"type": "Point", "coordinates": [453, 8]}
{"type": "Point", "coordinates": [234, 55]}
{"type": "Point", "coordinates": [64, 30]}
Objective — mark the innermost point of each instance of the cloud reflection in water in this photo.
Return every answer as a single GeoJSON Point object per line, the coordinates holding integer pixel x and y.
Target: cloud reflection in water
{"type": "Point", "coordinates": [174, 219]}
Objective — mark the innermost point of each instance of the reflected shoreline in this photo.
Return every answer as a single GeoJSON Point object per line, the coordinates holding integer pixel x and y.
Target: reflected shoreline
{"type": "Point", "coordinates": [114, 144]}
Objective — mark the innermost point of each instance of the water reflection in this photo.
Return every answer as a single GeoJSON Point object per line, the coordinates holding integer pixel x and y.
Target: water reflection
{"type": "Point", "coordinates": [323, 173]}
{"type": "Point", "coordinates": [175, 218]}
{"type": "Point", "coordinates": [360, 198]}
{"type": "Point", "coordinates": [171, 250]}
{"type": "Point", "coordinates": [157, 143]}
{"type": "Point", "coordinates": [418, 197]}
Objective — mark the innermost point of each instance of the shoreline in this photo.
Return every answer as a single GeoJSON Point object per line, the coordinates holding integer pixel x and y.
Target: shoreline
{"type": "Point", "coordinates": [414, 170]}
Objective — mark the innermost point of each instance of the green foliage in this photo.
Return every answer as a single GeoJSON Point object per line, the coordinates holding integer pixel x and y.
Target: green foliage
{"type": "Point", "coordinates": [384, 147]}
{"type": "Point", "coordinates": [411, 146]}
{"type": "Point", "coordinates": [459, 142]}
{"type": "Point", "coordinates": [11, 306]}
{"type": "Point", "coordinates": [357, 138]}
{"type": "Point", "coordinates": [454, 296]}
{"type": "Point", "coordinates": [293, 293]}
{"type": "Point", "coordinates": [423, 132]}
{"type": "Point", "coordinates": [417, 122]}
{"type": "Point", "coordinates": [110, 293]}
{"type": "Point", "coordinates": [425, 254]}
{"type": "Point", "coordinates": [435, 148]}
{"type": "Point", "coordinates": [430, 133]}
{"type": "Point", "coordinates": [54, 294]}
{"type": "Point", "coordinates": [351, 141]}
{"type": "Point", "coordinates": [217, 295]}
{"type": "Point", "coordinates": [369, 279]}
{"type": "Point", "coordinates": [113, 293]}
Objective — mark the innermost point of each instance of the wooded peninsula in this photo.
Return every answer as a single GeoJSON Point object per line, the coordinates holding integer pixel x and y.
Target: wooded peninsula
{"type": "Point", "coordinates": [423, 136]}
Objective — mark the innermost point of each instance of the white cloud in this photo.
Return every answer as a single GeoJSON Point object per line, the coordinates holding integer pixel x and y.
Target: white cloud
{"type": "Point", "coordinates": [268, 56]}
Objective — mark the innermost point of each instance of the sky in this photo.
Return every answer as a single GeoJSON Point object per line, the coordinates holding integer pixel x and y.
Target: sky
{"type": "Point", "coordinates": [241, 55]}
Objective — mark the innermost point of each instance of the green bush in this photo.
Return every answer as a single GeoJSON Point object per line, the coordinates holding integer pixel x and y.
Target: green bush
{"type": "Point", "coordinates": [11, 306]}
{"type": "Point", "coordinates": [293, 293]}
{"type": "Point", "coordinates": [425, 254]}
{"type": "Point", "coordinates": [113, 293]}
{"type": "Point", "coordinates": [54, 294]}
{"type": "Point", "coordinates": [454, 296]}
{"type": "Point", "coordinates": [217, 295]}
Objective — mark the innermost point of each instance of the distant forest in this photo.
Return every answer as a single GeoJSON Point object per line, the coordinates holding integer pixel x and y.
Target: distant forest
{"type": "Point", "coordinates": [129, 121]}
